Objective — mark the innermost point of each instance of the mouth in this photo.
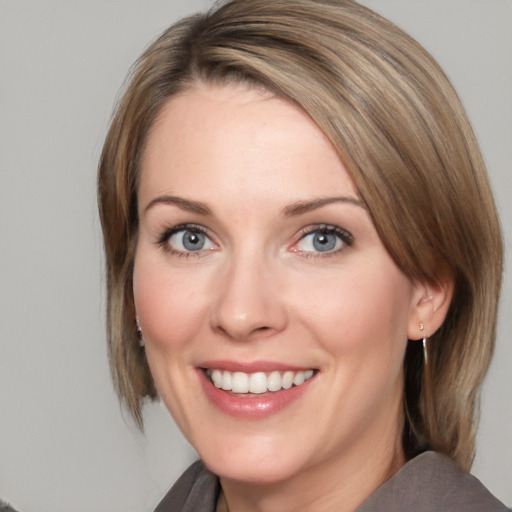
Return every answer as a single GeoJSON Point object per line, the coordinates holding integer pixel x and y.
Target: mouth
{"type": "Point", "coordinates": [257, 383]}
{"type": "Point", "coordinates": [254, 390]}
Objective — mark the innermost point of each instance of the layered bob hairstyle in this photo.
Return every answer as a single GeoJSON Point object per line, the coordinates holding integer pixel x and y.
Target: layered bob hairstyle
{"type": "Point", "coordinates": [401, 132]}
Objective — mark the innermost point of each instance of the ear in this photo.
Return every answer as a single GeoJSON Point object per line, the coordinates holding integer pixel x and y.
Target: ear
{"type": "Point", "coordinates": [429, 307]}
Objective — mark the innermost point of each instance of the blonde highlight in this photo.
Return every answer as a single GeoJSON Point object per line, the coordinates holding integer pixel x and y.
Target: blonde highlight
{"type": "Point", "coordinates": [401, 131]}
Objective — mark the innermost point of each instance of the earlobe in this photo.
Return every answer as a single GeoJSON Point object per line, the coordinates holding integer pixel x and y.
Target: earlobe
{"type": "Point", "coordinates": [429, 308]}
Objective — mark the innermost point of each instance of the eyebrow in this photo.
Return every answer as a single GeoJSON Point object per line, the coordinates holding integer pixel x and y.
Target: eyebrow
{"type": "Point", "coordinates": [301, 207]}
{"type": "Point", "coordinates": [180, 202]}
{"type": "Point", "coordinates": [297, 208]}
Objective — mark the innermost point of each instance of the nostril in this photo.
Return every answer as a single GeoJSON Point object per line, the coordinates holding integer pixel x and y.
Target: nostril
{"type": "Point", "coordinates": [246, 334]}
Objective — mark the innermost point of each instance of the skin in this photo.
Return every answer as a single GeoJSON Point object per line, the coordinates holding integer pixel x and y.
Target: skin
{"type": "Point", "coordinates": [259, 290]}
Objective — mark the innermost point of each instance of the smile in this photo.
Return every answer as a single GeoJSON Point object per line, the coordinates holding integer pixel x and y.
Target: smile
{"type": "Point", "coordinates": [259, 382]}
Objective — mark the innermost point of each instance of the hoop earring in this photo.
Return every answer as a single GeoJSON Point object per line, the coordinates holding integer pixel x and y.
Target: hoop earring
{"type": "Point", "coordinates": [424, 342]}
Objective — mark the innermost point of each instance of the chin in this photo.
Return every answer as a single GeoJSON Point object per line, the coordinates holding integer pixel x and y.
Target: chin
{"type": "Point", "coordinates": [255, 465]}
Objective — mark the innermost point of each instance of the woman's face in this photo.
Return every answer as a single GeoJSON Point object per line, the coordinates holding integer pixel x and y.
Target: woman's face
{"type": "Point", "coordinates": [257, 266]}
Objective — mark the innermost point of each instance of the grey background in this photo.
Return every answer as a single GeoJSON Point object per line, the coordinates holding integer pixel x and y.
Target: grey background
{"type": "Point", "coordinates": [65, 445]}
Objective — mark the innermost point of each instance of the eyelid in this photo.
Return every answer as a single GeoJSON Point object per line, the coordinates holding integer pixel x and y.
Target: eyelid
{"type": "Point", "coordinates": [164, 235]}
{"type": "Point", "coordinates": [162, 239]}
{"type": "Point", "coordinates": [345, 236]}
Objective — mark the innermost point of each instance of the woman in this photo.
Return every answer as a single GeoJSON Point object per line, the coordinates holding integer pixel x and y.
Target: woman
{"type": "Point", "coordinates": [303, 260]}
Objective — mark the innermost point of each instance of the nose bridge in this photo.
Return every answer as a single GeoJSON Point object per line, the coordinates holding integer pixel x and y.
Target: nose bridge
{"type": "Point", "coordinates": [248, 301]}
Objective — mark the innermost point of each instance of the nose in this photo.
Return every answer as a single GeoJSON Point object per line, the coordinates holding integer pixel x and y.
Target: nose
{"type": "Point", "coordinates": [249, 301]}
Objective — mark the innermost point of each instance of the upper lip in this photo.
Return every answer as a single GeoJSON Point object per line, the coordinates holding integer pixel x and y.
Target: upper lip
{"type": "Point", "coordinates": [251, 366]}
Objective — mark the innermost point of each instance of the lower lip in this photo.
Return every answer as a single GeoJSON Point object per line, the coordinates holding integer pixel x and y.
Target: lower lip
{"type": "Point", "coordinates": [251, 406]}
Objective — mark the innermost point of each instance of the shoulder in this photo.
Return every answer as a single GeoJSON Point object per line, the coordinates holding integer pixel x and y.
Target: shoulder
{"type": "Point", "coordinates": [432, 482]}
{"type": "Point", "coordinates": [197, 489]}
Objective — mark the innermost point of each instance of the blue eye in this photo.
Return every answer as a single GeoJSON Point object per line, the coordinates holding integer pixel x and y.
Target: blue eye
{"type": "Point", "coordinates": [325, 241]}
{"type": "Point", "coordinates": [185, 240]}
{"type": "Point", "coordinates": [328, 239]}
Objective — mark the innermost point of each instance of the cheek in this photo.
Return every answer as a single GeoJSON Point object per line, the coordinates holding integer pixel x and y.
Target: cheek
{"type": "Point", "coordinates": [171, 309]}
{"type": "Point", "coordinates": [359, 310]}
{"type": "Point", "coordinates": [170, 305]}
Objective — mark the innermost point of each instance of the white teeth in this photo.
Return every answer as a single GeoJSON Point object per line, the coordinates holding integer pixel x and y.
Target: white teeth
{"type": "Point", "coordinates": [259, 382]}
{"type": "Point", "coordinates": [227, 381]}
{"type": "Point", "coordinates": [288, 380]}
{"type": "Point", "coordinates": [217, 378]}
{"type": "Point", "coordinates": [240, 382]}
{"type": "Point", "coordinates": [299, 378]}
{"type": "Point", "coordinates": [274, 381]}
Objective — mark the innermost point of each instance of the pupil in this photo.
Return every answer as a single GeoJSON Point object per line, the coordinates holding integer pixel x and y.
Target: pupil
{"type": "Point", "coordinates": [324, 241]}
{"type": "Point", "coordinates": [193, 241]}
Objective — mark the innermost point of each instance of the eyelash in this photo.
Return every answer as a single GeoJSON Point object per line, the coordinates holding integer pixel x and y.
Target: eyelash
{"type": "Point", "coordinates": [343, 235]}
{"type": "Point", "coordinates": [163, 240]}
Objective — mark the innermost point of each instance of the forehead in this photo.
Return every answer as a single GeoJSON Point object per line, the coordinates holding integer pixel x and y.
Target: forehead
{"type": "Point", "coordinates": [242, 141]}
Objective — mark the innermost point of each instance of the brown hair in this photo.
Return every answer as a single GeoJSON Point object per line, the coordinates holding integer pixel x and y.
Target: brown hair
{"type": "Point", "coordinates": [402, 133]}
